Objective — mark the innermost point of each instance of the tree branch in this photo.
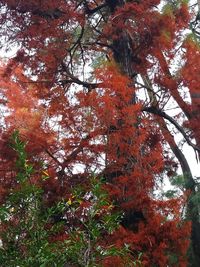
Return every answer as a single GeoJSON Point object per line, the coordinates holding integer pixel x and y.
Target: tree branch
{"type": "Point", "coordinates": [89, 11]}
{"type": "Point", "coordinates": [161, 113]}
{"type": "Point", "coordinates": [78, 40]}
{"type": "Point", "coordinates": [90, 86]}
{"type": "Point", "coordinates": [74, 79]}
{"type": "Point", "coordinates": [54, 158]}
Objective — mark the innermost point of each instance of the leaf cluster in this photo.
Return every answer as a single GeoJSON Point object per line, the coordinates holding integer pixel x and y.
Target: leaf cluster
{"type": "Point", "coordinates": [29, 237]}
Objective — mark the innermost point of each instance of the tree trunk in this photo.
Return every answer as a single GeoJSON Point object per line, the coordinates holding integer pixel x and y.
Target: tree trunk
{"type": "Point", "coordinates": [123, 56]}
{"type": "Point", "coordinates": [192, 213]}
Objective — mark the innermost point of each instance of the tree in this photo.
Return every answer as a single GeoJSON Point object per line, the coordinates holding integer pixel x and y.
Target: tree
{"type": "Point", "coordinates": [73, 92]}
{"type": "Point", "coordinates": [30, 237]}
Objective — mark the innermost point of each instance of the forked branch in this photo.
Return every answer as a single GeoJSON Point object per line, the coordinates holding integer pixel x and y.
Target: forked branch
{"type": "Point", "coordinates": [164, 115]}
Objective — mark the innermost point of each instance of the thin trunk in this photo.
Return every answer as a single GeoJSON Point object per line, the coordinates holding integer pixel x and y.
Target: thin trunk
{"type": "Point", "coordinates": [192, 212]}
{"type": "Point", "coordinates": [192, 209]}
{"type": "Point", "coordinates": [122, 53]}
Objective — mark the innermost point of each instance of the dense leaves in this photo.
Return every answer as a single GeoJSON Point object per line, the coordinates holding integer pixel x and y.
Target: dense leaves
{"type": "Point", "coordinates": [88, 90]}
{"type": "Point", "coordinates": [69, 232]}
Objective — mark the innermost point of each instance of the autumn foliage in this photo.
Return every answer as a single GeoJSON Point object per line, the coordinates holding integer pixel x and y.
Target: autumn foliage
{"type": "Point", "coordinates": [88, 91]}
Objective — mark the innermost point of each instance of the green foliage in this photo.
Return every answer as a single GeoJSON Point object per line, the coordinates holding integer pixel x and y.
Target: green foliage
{"type": "Point", "coordinates": [195, 199]}
{"type": "Point", "coordinates": [173, 4]}
{"type": "Point", "coordinates": [98, 62]}
{"type": "Point", "coordinates": [23, 234]}
{"type": "Point", "coordinates": [173, 259]}
{"type": "Point", "coordinates": [179, 181]}
{"type": "Point", "coordinates": [170, 193]}
{"type": "Point", "coordinates": [30, 237]}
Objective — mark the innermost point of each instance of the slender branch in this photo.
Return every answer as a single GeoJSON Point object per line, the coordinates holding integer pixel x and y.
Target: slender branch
{"type": "Point", "coordinates": [74, 153]}
{"type": "Point", "coordinates": [74, 79]}
{"type": "Point", "coordinates": [160, 113]}
{"type": "Point", "coordinates": [174, 91]}
{"type": "Point", "coordinates": [147, 87]}
{"type": "Point", "coordinates": [78, 40]}
{"type": "Point", "coordinates": [83, 143]}
{"type": "Point", "coordinates": [54, 158]}
{"type": "Point", "coordinates": [90, 86]}
{"type": "Point", "coordinates": [94, 10]}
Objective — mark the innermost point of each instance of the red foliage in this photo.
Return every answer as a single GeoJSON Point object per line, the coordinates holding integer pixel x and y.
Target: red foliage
{"type": "Point", "coordinates": [101, 127]}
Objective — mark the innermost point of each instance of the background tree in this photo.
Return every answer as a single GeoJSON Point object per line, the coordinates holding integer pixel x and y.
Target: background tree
{"type": "Point", "coordinates": [78, 78]}
{"type": "Point", "coordinates": [29, 235]}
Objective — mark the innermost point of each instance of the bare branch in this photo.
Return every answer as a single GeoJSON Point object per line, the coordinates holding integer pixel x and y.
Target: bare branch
{"type": "Point", "coordinates": [161, 113]}
{"type": "Point", "coordinates": [73, 79]}
{"type": "Point", "coordinates": [94, 10]}
{"type": "Point", "coordinates": [78, 40]}
{"type": "Point", "coordinates": [54, 158]}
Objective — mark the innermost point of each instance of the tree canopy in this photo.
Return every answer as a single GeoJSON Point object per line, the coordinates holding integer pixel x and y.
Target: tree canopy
{"type": "Point", "coordinates": [88, 98]}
